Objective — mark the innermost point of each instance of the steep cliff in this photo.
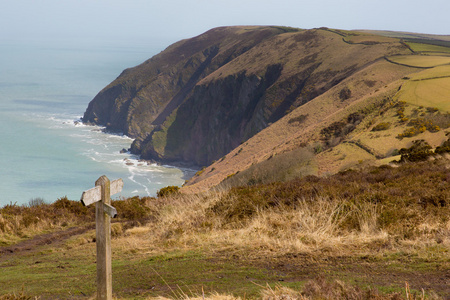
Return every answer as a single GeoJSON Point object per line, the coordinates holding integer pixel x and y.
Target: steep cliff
{"type": "Point", "coordinates": [200, 98]}
{"type": "Point", "coordinates": [142, 97]}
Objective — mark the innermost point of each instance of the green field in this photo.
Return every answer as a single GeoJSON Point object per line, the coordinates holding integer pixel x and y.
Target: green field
{"type": "Point", "coordinates": [429, 88]}
{"type": "Point", "coordinates": [419, 47]}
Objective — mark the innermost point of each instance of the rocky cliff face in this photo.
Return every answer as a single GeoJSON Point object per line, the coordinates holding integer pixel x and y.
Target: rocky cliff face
{"type": "Point", "coordinates": [202, 97]}
{"type": "Point", "coordinates": [142, 97]}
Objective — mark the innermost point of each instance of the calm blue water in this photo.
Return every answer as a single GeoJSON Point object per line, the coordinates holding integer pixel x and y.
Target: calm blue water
{"type": "Point", "coordinates": [45, 88]}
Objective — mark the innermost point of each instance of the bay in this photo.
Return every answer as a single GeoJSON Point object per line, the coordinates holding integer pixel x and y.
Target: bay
{"type": "Point", "coordinates": [45, 152]}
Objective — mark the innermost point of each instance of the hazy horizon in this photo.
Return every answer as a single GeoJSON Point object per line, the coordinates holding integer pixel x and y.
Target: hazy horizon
{"type": "Point", "coordinates": [125, 21]}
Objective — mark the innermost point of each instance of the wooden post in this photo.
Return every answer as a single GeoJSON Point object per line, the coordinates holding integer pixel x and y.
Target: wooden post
{"type": "Point", "coordinates": [103, 241]}
{"type": "Point", "coordinates": [101, 196]}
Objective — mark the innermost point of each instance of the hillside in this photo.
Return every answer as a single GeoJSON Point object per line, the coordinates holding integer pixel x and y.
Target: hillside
{"type": "Point", "coordinates": [202, 97]}
{"type": "Point", "coordinates": [337, 186]}
{"type": "Point", "coordinates": [234, 98]}
{"type": "Point", "coordinates": [338, 129]}
{"type": "Point", "coordinates": [142, 100]}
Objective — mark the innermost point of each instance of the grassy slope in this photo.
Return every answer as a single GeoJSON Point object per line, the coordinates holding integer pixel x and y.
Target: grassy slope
{"type": "Point", "coordinates": [429, 88]}
{"type": "Point", "coordinates": [410, 35]}
{"type": "Point", "coordinates": [369, 88]}
{"type": "Point", "coordinates": [421, 61]}
{"type": "Point", "coordinates": [429, 49]}
{"type": "Point", "coordinates": [376, 228]}
{"type": "Point", "coordinates": [321, 112]}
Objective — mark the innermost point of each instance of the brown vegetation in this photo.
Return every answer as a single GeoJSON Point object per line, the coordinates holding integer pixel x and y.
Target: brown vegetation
{"type": "Point", "coordinates": [384, 205]}
{"type": "Point", "coordinates": [375, 213]}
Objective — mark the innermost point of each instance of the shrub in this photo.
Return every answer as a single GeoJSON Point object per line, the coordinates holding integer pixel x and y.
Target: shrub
{"type": "Point", "coordinates": [439, 119]}
{"type": "Point", "coordinates": [419, 151]}
{"type": "Point", "coordinates": [341, 128]}
{"type": "Point", "coordinates": [200, 172]}
{"type": "Point", "coordinates": [134, 208]}
{"type": "Point", "coordinates": [345, 94]}
{"type": "Point", "coordinates": [168, 191]}
{"type": "Point", "coordinates": [443, 148]}
{"type": "Point", "coordinates": [382, 126]}
{"type": "Point", "coordinates": [69, 206]}
{"type": "Point", "coordinates": [419, 125]}
{"type": "Point", "coordinates": [299, 119]}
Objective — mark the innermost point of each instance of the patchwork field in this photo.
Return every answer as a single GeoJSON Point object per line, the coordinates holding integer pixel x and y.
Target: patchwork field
{"type": "Point", "coordinates": [429, 88]}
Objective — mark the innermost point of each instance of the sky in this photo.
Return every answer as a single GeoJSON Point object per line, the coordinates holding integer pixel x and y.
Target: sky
{"type": "Point", "coordinates": [172, 20]}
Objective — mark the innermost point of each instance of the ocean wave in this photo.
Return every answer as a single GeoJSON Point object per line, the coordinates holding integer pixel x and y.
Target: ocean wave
{"type": "Point", "coordinates": [103, 149]}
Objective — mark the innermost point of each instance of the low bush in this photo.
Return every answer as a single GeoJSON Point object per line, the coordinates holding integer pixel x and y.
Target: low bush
{"type": "Point", "coordinates": [345, 94]}
{"type": "Point", "coordinates": [419, 151]}
{"type": "Point", "coordinates": [402, 198]}
{"type": "Point", "coordinates": [381, 126]}
{"type": "Point", "coordinates": [17, 221]}
{"type": "Point", "coordinates": [299, 119]}
{"type": "Point", "coordinates": [334, 133]}
{"type": "Point", "coordinates": [135, 208]}
{"type": "Point", "coordinates": [168, 191]}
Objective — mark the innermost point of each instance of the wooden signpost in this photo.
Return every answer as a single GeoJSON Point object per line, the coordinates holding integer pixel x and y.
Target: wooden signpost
{"type": "Point", "coordinates": [101, 196]}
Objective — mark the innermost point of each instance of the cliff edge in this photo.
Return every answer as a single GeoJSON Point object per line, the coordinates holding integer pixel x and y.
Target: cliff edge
{"type": "Point", "coordinates": [202, 97]}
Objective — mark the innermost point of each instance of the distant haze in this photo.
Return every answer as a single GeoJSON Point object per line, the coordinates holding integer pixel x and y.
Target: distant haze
{"type": "Point", "coordinates": [172, 20]}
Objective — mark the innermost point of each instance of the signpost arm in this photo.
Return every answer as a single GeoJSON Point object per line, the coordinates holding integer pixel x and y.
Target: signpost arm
{"type": "Point", "coordinates": [103, 241]}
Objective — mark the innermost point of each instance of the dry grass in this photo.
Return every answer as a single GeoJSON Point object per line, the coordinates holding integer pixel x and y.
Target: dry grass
{"type": "Point", "coordinates": [280, 167]}
{"type": "Point", "coordinates": [369, 39]}
{"type": "Point", "coordinates": [322, 111]}
{"type": "Point", "coordinates": [17, 297]}
{"type": "Point", "coordinates": [350, 211]}
{"type": "Point", "coordinates": [421, 60]}
{"type": "Point", "coordinates": [429, 88]}
{"type": "Point", "coordinates": [430, 93]}
{"type": "Point", "coordinates": [377, 212]}
{"type": "Point", "coordinates": [21, 222]}
{"type": "Point", "coordinates": [315, 289]}
{"type": "Point", "coordinates": [436, 72]}
{"type": "Point", "coordinates": [389, 208]}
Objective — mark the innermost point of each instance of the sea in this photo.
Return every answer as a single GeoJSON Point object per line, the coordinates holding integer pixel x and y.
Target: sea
{"type": "Point", "coordinates": [46, 153]}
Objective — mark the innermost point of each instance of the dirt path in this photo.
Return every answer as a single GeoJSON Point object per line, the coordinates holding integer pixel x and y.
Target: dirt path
{"type": "Point", "coordinates": [34, 243]}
